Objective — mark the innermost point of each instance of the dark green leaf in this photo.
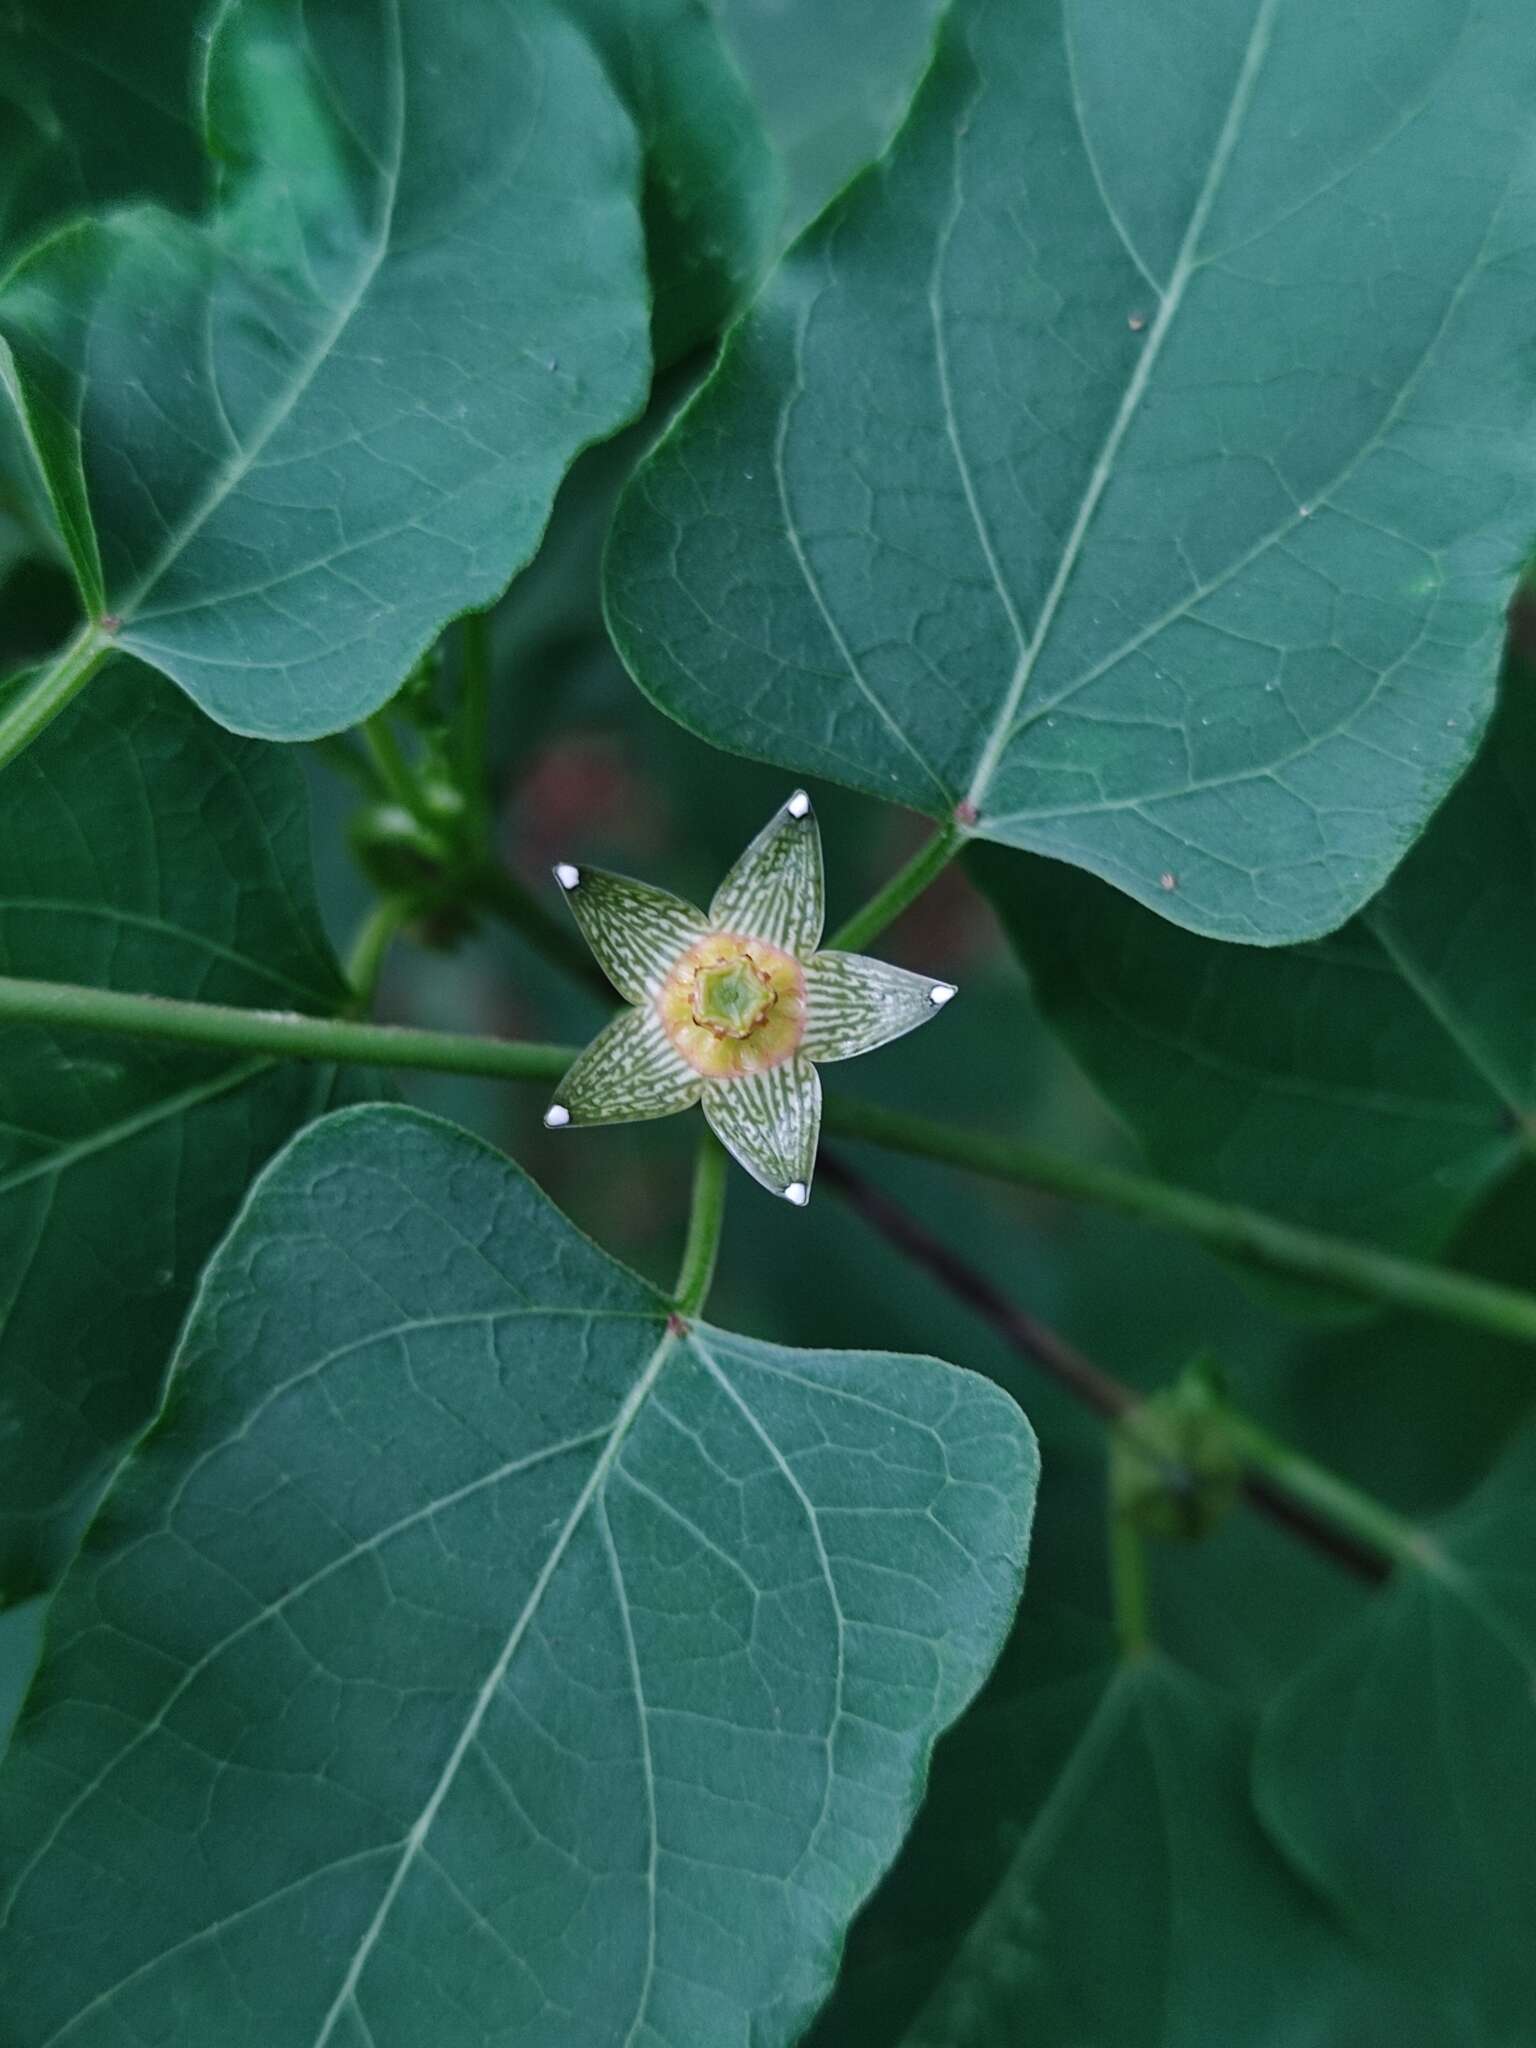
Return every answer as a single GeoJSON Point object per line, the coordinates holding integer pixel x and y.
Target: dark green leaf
{"type": "Point", "coordinates": [833, 79]}
{"type": "Point", "coordinates": [21, 1636]}
{"type": "Point", "coordinates": [1400, 1770]}
{"type": "Point", "coordinates": [713, 193]}
{"type": "Point", "coordinates": [287, 444]}
{"type": "Point", "coordinates": [1145, 1909]}
{"type": "Point", "coordinates": [1375, 1082]}
{"type": "Point", "coordinates": [1143, 454]}
{"type": "Point", "coordinates": [502, 1661]}
{"type": "Point", "coordinates": [140, 849]}
{"type": "Point", "coordinates": [95, 107]}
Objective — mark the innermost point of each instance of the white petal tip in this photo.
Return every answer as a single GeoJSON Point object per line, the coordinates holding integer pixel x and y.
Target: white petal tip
{"type": "Point", "coordinates": [567, 876]}
{"type": "Point", "coordinates": [941, 992]}
{"type": "Point", "coordinates": [797, 807]}
{"type": "Point", "coordinates": [798, 1193]}
{"type": "Point", "coordinates": [556, 1116]}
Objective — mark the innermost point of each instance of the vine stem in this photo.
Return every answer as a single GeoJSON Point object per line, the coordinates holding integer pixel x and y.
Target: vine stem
{"type": "Point", "coordinates": [370, 948]}
{"type": "Point", "coordinates": [1245, 1234]}
{"type": "Point", "coordinates": [1314, 1505]}
{"type": "Point", "coordinates": [34, 703]}
{"type": "Point", "coordinates": [1314, 1485]}
{"type": "Point", "coordinates": [1249, 1235]}
{"type": "Point", "coordinates": [394, 771]}
{"type": "Point", "coordinates": [706, 1216]}
{"type": "Point", "coordinates": [904, 887]}
{"type": "Point", "coordinates": [283, 1033]}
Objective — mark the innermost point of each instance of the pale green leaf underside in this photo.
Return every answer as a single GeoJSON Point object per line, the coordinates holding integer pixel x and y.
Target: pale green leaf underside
{"type": "Point", "coordinates": [1377, 1082]}
{"type": "Point", "coordinates": [288, 444]}
{"type": "Point", "coordinates": [140, 849]}
{"type": "Point", "coordinates": [1400, 1769]}
{"type": "Point", "coordinates": [1143, 453]}
{"type": "Point", "coordinates": [503, 1665]}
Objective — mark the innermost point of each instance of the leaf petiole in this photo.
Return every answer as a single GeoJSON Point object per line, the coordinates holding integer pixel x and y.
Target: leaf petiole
{"type": "Point", "coordinates": [32, 704]}
{"type": "Point", "coordinates": [705, 1218]}
{"type": "Point", "coordinates": [903, 889]}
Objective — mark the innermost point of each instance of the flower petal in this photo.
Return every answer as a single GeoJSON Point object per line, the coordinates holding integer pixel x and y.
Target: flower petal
{"type": "Point", "coordinates": [630, 1071]}
{"type": "Point", "coordinates": [635, 931]}
{"type": "Point", "coordinates": [853, 1004]}
{"type": "Point", "coordinates": [769, 1124]}
{"type": "Point", "coordinates": [774, 892]}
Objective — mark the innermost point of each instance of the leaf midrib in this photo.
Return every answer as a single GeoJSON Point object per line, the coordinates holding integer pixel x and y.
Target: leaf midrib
{"type": "Point", "coordinates": [234, 471]}
{"type": "Point", "coordinates": [421, 1828]}
{"type": "Point", "coordinates": [1184, 268]}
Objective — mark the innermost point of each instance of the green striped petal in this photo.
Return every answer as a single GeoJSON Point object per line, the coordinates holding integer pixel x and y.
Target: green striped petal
{"type": "Point", "coordinates": [775, 890]}
{"type": "Point", "coordinates": [769, 1124]}
{"type": "Point", "coordinates": [853, 1004]}
{"type": "Point", "coordinates": [629, 1072]}
{"type": "Point", "coordinates": [636, 932]}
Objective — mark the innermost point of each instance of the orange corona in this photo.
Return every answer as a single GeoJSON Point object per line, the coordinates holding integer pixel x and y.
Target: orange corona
{"type": "Point", "coordinates": [734, 1005]}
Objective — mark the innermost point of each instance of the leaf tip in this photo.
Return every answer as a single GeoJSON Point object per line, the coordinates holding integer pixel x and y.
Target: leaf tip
{"type": "Point", "coordinates": [567, 876]}
{"type": "Point", "coordinates": [556, 1117]}
{"type": "Point", "coordinates": [798, 1193]}
{"type": "Point", "coordinates": [799, 804]}
{"type": "Point", "coordinates": [941, 993]}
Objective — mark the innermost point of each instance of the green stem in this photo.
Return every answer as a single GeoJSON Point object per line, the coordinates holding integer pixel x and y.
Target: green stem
{"type": "Point", "coordinates": [25, 710]}
{"type": "Point", "coordinates": [1129, 1602]}
{"type": "Point", "coordinates": [494, 889]}
{"type": "Point", "coordinates": [287, 1034]}
{"type": "Point", "coordinates": [1332, 1497]}
{"type": "Point", "coordinates": [705, 1218]}
{"type": "Point", "coordinates": [394, 770]}
{"type": "Point", "coordinates": [904, 887]}
{"type": "Point", "coordinates": [376, 934]}
{"type": "Point", "coordinates": [1244, 1234]}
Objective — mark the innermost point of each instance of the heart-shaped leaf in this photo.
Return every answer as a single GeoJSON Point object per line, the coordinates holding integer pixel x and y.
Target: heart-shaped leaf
{"type": "Point", "coordinates": [1375, 1082]}
{"type": "Point", "coordinates": [1141, 456]}
{"type": "Point", "coordinates": [1400, 1770]}
{"type": "Point", "coordinates": [140, 849]}
{"type": "Point", "coordinates": [287, 444]}
{"type": "Point", "coordinates": [473, 1651]}
{"type": "Point", "coordinates": [1144, 1907]}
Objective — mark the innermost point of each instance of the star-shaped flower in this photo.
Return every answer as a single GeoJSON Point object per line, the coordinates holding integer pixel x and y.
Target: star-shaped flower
{"type": "Point", "coordinates": [734, 1009]}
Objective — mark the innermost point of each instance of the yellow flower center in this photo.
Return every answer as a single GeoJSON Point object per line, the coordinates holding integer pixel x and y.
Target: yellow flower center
{"type": "Point", "coordinates": [733, 1006]}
